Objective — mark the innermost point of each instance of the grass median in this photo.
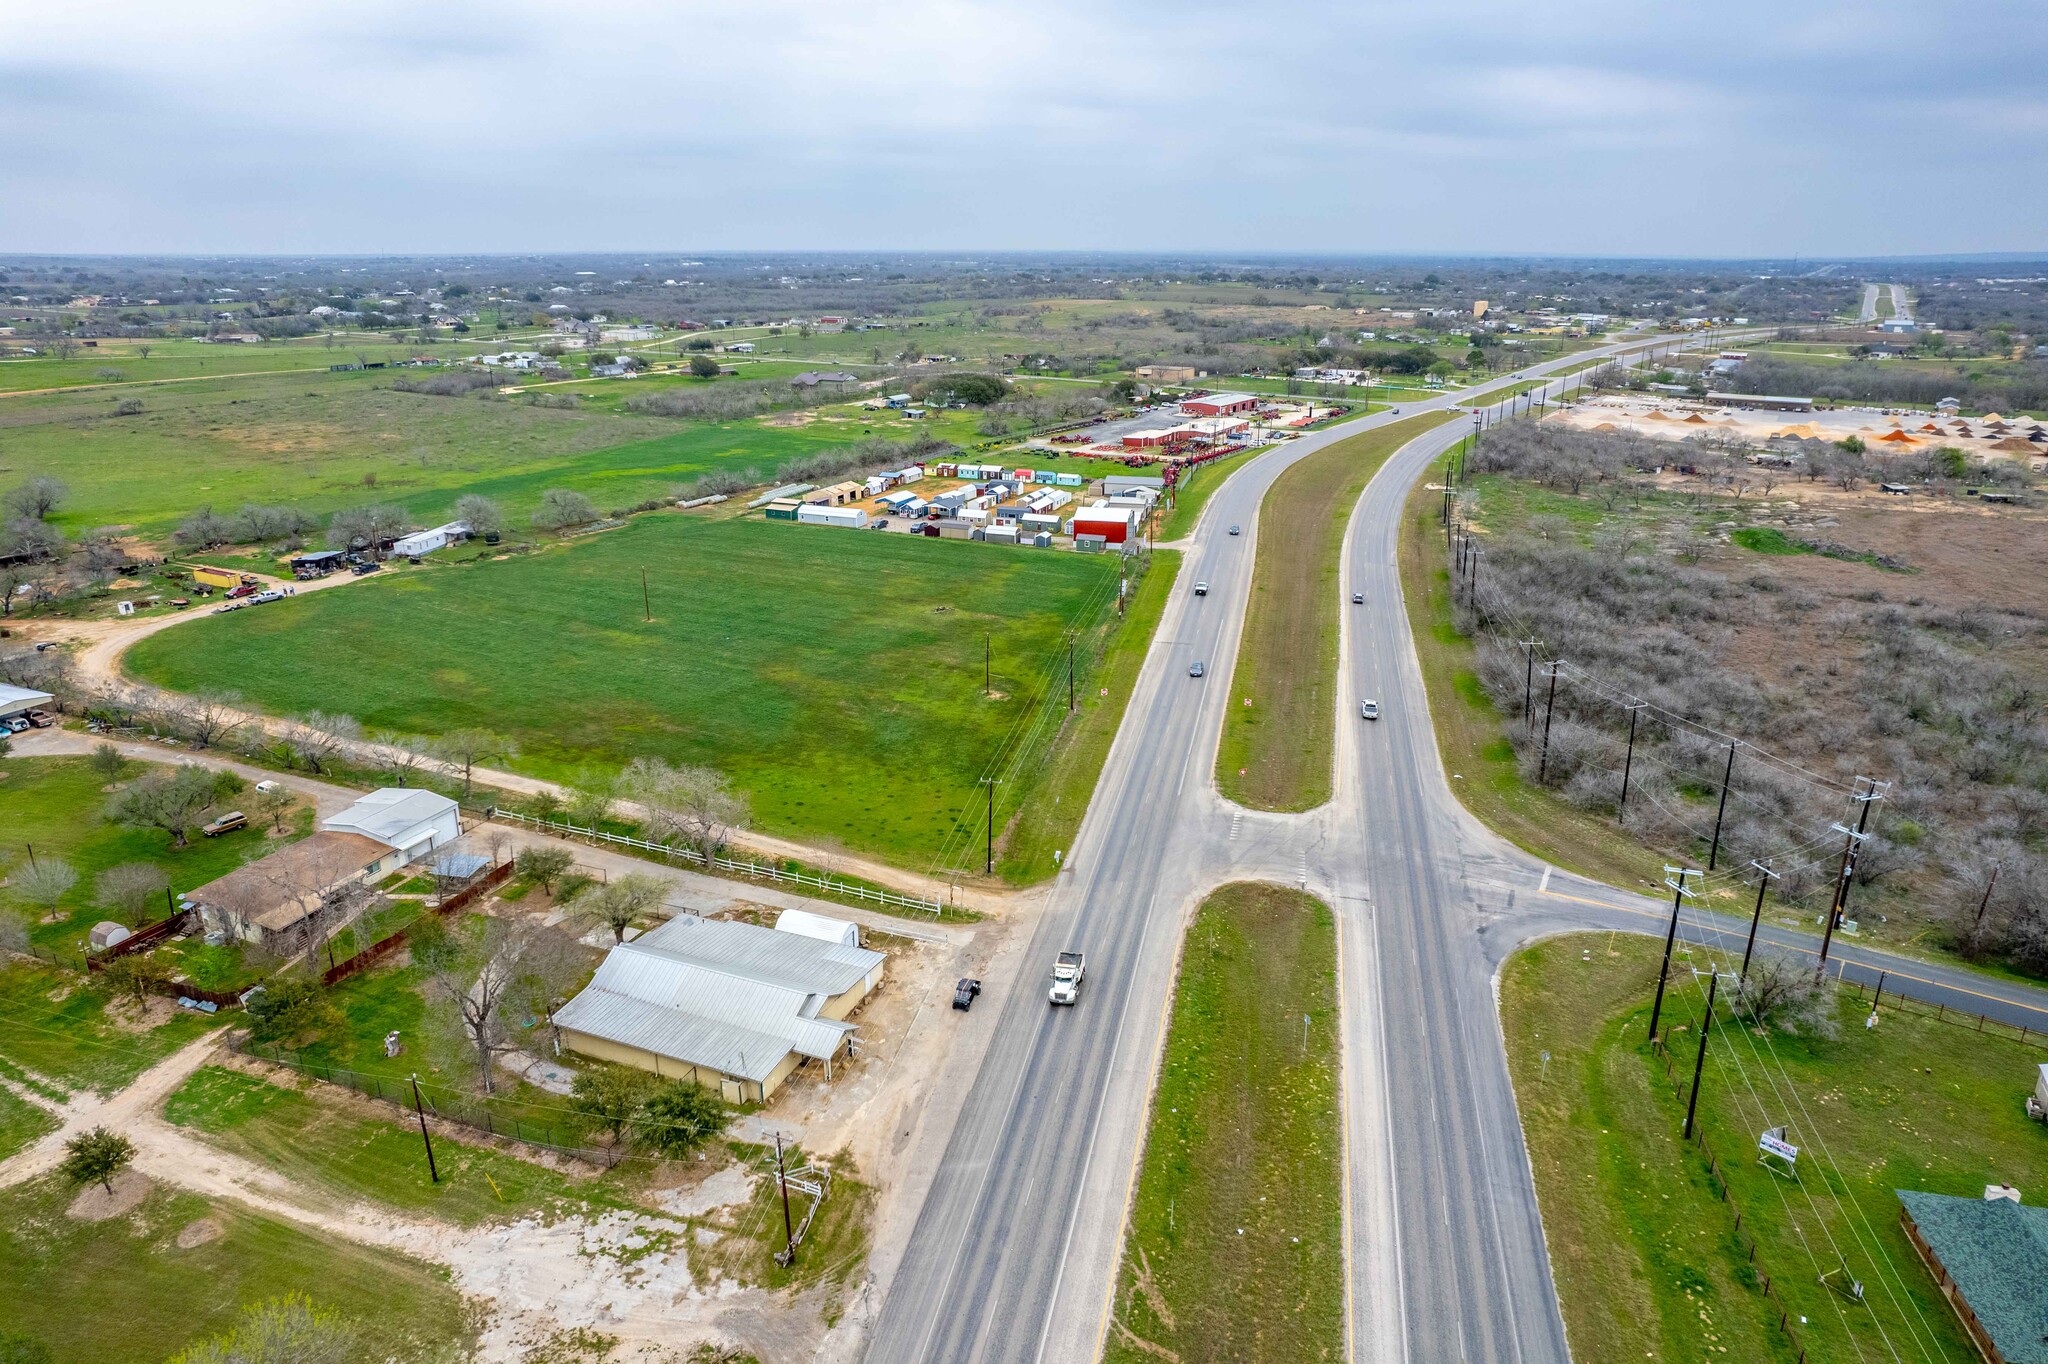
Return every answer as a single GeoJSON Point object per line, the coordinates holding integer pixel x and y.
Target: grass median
{"type": "Point", "coordinates": [1646, 1254]}
{"type": "Point", "coordinates": [1235, 1245]}
{"type": "Point", "coordinates": [1279, 737]}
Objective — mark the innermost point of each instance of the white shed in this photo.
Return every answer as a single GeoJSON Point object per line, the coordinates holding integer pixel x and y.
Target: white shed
{"type": "Point", "coordinates": [808, 925]}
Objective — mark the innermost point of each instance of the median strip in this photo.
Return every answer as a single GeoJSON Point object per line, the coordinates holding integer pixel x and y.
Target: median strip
{"type": "Point", "coordinates": [1235, 1248]}
{"type": "Point", "coordinates": [1279, 737]}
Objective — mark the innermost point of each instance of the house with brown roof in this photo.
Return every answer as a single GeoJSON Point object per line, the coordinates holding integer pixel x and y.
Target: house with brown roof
{"type": "Point", "coordinates": [280, 901]}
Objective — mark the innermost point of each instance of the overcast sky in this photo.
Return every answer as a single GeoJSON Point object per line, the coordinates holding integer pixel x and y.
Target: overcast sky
{"type": "Point", "coordinates": [1638, 128]}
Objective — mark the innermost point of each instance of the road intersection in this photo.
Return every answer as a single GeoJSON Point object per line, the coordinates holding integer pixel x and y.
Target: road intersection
{"type": "Point", "coordinates": [1013, 1255]}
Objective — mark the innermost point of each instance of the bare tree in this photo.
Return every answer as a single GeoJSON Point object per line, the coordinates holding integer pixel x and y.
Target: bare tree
{"type": "Point", "coordinates": [401, 755]}
{"type": "Point", "coordinates": [318, 739]}
{"type": "Point", "coordinates": [591, 802]}
{"type": "Point", "coordinates": [465, 748]}
{"type": "Point", "coordinates": [211, 717]}
{"type": "Point", "coordinates": [478, 984]}
{"type": "Point", "coordinates": [1780, 993]}
{"type": "Point", "coordinates": [696, 804]}
{"type": "Point", "coordinates": [131, 888]}
{"type": "Point", "coordinates": [43, 882]}
{"type": "Point", "coordinates": [481, 514]}
{"type": "Point", "coordinates": [366, 528]}
{"type": "Point", "coordinates": [36, 498]}
{"type": "Point", "coordinates": [31, 539]}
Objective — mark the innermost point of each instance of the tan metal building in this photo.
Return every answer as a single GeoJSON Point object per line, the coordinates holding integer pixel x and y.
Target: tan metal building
{"type": "Point", "coordinates": [731, 1006]}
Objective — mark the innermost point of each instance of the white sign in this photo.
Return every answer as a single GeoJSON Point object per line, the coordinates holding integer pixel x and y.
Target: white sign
{"type": "Point", "coordinates": [1772, 1145]}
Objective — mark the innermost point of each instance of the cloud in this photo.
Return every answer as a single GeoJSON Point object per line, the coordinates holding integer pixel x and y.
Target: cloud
{"type": "Point", "coordinates": [1605, 127]}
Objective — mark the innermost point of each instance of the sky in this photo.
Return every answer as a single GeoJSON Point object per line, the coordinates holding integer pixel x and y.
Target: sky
{"type": "Point", "coordinates": [1646, 128]}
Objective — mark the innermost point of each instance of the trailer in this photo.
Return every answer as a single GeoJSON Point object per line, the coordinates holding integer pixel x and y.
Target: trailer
{"type": "Point", "coordinates": [1067, 971]}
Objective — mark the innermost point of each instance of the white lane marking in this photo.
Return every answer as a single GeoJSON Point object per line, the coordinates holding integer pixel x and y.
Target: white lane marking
{"type": "Point", "coordinates": [1544, 889]}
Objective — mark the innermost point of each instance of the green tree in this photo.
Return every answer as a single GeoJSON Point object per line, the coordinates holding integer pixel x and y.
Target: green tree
{"type": "Point", "coordinates": [611, 1096]}
{"type": "Point", "coordinates": [170, 801]}
{"type": "Point", "coordinates": [107, 761]}
{"type": "Point", "coordinates": [1851, 445]}
{"type": "Point", "coordinates": [290, 1011]}
{"type": "Point", "coordinates": [95, 1157]}
{"type": "Point", "coordinates": [286, 1330]}
{"type": "Point", "coordinates": [137, 974]}
{"type": "Point", "coordinates": [704, 367]}
{"type": "Point", "coordinates": [619, 902]}
{"type": "Point", "coordinates": [680, 1117]}
{"type": "Point", "coordinates": [544, 865]}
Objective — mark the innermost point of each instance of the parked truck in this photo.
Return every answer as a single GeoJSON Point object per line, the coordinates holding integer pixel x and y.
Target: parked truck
{"type": "Point", "coordinates": [1066, 977]}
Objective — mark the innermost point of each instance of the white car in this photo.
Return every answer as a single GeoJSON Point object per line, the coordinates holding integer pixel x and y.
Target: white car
{"type": "Point", "coordinates": [1201, 589]}
{"type": "Point", "coordinates": [1368, 710]}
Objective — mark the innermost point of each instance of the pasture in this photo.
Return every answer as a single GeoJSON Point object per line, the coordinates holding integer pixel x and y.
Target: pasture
{"type": "Point", "coordinates": [835, 676]}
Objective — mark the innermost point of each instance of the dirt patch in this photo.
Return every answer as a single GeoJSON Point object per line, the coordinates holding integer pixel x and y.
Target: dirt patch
{"type": "Point", "coordinates": [95, 1204]}
{"type": "Point", "coordinates": [790, 419]}
{"type": "Point", "coordinates": [199, 1232]}
{"type": "Point", "coordinates": [152, 1013]}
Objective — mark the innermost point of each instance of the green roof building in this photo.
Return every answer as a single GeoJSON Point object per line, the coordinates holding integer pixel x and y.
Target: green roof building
{"type": "Point", "coordinates": [1990, 1257]}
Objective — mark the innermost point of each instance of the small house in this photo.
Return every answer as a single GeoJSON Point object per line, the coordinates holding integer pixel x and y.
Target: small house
{"type": "Point", "coordinates": [409, 821]}
{"type": "Point", "coordinates": [281, 901]}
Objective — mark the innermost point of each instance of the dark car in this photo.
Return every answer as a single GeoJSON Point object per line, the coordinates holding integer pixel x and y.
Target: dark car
{"type": "Point", "coordinates": [964, 993]}
{"type": "Point", "coordinates": [367, 566]}
{"type": "Point", "coordinates": [1233, 530]}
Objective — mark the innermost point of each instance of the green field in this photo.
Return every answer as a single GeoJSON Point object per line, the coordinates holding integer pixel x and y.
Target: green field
{"type": "Point", "coordinates": [56, 1025]}
{"type": "Point", "coordinates": [312, 1139]}
{"type": "Point", "coordinates": [1235, 1244]}
{"type": "Point", "coordinates": [836, 677]}
{"type": "Point", "coordinates": [1283, 741]}
{"type": "Point", "coordinates": [325, 441]}
{"type": "Point", "coordinates": [122, 1291]}
{"type": "Point", "coordinates": [1646, 1255]}
{"type": "Point", "coordinates": [56, 807]}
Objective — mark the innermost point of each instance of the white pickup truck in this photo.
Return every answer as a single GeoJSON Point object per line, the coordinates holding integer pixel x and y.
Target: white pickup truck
{"type": "Point", "coordinates": [1066, 978]}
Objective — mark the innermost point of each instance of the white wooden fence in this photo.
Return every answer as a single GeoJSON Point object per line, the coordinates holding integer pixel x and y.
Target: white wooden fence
{"type": "Point", "coordinates": [739, 866]}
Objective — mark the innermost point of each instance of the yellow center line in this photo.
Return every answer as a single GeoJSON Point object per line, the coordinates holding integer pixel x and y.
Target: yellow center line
{"type": "Point", "coordinates": [1811, 952]}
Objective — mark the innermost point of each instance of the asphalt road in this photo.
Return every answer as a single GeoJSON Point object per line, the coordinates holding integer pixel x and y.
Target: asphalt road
{"type": "Point", "coordinates": [1014, 1252]}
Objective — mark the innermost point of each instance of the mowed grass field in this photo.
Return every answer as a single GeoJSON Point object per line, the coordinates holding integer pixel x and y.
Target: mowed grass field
{"type": "Point", "coordinates": [325, 441]}
{"type": "Point", "coordinates": [124, 1291]}
{"type": "Point", "coordinates": [1283, 741]}
{"type": "Point", "coordinates": [1645, 1252]}
{"type": "Point", "coordinates": [835, 676]}
{"type": "Point", "coordinates": [1235, 1249]}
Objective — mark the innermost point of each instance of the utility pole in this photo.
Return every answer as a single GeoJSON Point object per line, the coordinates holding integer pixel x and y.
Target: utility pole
{"type": "Point", "coordinates": [1699, 1061]}
{"type": "Point", "coordinates": [1714, 853]}
{"type": "Point", "coordinates": [1549, 709]}
{"type": "Point", "coordinates": [1680, 881]}
{"type": "Point", "coordinates": [1628, 764]}
{"type": "Point", "coordinates": [782, 1182]}
{"type": "Point", "coordinates": [646, 601]}
{"type": "Point", "coordinates": [1875, 794]}
{"type": "Point", "coordinates": [1976, 925]}
{"type": "Point", "coordinates": [1764, 877]}
{"type": "Point", "coordinates": [988, 664]}
{"type": "Point", "coordinates": [1528, 677]}
{"type": "Point", "coordinates": [1070, 673]}
{"type": "Point", "coordinates": [1851, 840]}
{"type": "Point", "coordinates": [421, 1110]}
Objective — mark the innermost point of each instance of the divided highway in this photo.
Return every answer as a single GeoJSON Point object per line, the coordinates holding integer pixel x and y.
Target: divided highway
{"type": "Point", "coordinates": [1013, 1254]}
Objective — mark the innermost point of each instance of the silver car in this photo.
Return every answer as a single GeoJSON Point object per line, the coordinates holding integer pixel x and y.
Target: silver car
{"type": "Point", "coordinates": [1368, 710]}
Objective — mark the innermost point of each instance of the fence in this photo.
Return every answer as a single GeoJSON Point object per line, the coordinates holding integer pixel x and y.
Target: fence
{"type": "Point", "coordinates": [475, 1114]}
{"type": "Point", "coordinates": [1786, 1316]}
{"type": "Point", "coordinates": [718, 862]}
{"type": "Point", "coordinates": [148, 936]}
{"type": "Point", "coordinates": [478, 887]}
{"type": "Point", "coordinates": [1941, 1013]}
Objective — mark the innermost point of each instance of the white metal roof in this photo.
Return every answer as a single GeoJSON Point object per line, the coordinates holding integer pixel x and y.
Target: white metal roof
{"type": "Point", "coordinates": [728, 996]}
{"type": "Point", "coordinates": [388, 815]}
{"type": "Point", "coordinates": [13, 699]}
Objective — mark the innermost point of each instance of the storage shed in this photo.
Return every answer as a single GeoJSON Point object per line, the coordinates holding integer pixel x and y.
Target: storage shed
{"type": "Point", "coordinates": [850, 518]}
{"type": "Point", "coordinates": [411, 821]}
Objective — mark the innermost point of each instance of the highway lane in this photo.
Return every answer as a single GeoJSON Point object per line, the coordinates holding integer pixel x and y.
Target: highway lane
{"type": "Point", "coordinates": [1014, 1250]}
{"type": "Point", "coordinates": [1869, 310]}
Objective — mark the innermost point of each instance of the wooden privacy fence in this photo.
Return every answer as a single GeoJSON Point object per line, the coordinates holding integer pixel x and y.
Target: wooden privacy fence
{"type": "Point", "coordinates": [149, 935]}
{"type": "Point", "coordinates": [1786, 1316]}
{"type": "Point", "coordinates": [743, 867]}
{"type": "Point", "coordinates": [478, 887]}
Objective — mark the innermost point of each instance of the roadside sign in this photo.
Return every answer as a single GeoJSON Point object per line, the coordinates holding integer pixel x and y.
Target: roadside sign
{"type": "Point", "coordinates": [1773, 1143]}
